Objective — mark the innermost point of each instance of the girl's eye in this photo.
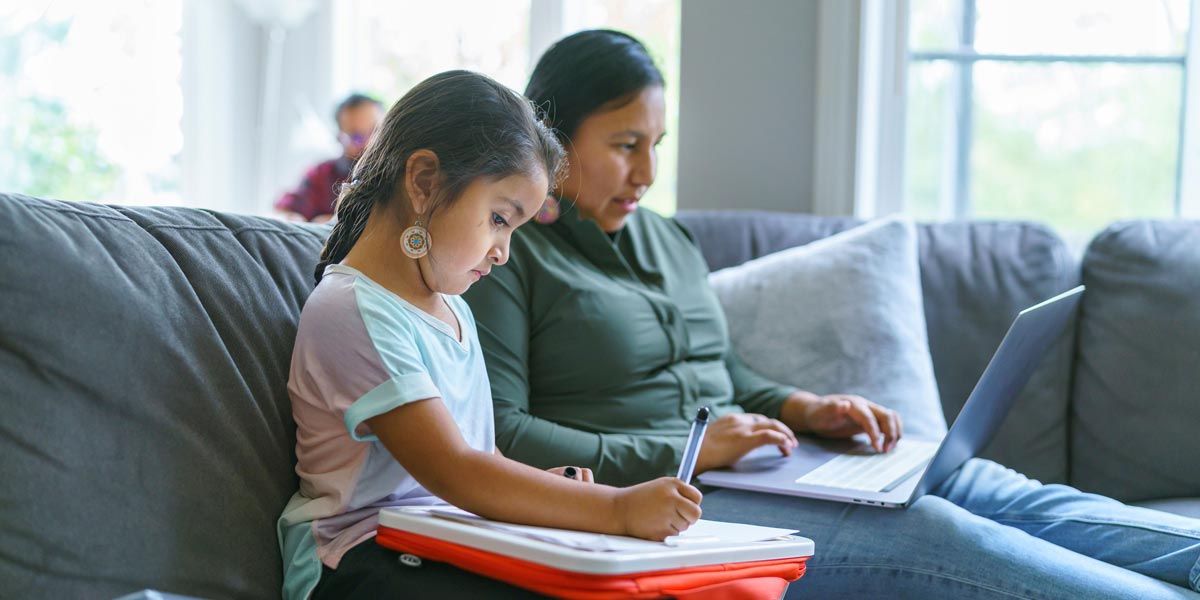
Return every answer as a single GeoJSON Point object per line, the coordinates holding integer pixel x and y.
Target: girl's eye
{"type": "Point", "coordinates": [498, 220]}
{"type": "Point", "coordinates": [627, 147]}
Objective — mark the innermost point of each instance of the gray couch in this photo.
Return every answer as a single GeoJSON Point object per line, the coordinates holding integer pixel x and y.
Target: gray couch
{"type": "Point", "coordinates": [146, 438]}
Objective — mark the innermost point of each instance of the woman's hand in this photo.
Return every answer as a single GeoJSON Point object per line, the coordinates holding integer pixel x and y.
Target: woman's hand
{"type": "Point", "coordinates": [843, 416]}
{"type": "Point", "coordinates": [732, 436]}
{"type": "Point", "coordinates": [656, 509]}
{"type": "Point", "coordinates": [576, 473]}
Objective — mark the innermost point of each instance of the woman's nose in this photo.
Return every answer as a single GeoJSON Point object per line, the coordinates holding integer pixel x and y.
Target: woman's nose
{"type": "Point", "coordinates": [644, 169]}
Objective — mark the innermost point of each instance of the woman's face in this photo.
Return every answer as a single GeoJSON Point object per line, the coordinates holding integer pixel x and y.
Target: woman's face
{"type": "Point", "coordinates": [613, 156]}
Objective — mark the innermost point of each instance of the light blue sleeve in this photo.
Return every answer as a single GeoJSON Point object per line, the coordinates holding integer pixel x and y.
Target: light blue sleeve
{"type": "Point", "coordinates": [398, 344]}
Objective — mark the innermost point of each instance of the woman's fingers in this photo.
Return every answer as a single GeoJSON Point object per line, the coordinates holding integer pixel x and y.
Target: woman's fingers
{"type": "Point", "coordinates": [777, 425]}
{"type": "Point", "coordinates": [891, 426]}
{"type": "Point", "coordinates": [861, 413]}
{"type": "Point", "coordinates": [764, 437]}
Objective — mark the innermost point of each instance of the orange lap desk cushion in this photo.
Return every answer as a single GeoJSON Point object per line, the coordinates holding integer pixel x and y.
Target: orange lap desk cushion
{"type": "Point", "coordinates": [751, 580]}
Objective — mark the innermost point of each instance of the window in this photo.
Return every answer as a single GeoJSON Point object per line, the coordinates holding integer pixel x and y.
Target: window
{"type": "Point", "coordinates": [1067, 112]}
{"type": "Point", "coordinates": [90, 100]}
{"type": "Point", "coordinates": [656, 24]}
{"type": "Point", "coordinates": [389, 47]}
{"type": "Point", "coordinates": [395, 45]}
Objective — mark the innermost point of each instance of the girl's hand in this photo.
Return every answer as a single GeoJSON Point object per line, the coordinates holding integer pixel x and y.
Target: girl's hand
{"type": "Point", "coordinates": [576, 473]}
{"type": "Point", "coordinates": [732, 436]}
{"type": "Point", "coordinates": [656, 509]}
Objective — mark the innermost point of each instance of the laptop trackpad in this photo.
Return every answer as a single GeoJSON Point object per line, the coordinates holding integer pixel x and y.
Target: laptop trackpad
{"type": "Point", "coordinates": [808, 455]}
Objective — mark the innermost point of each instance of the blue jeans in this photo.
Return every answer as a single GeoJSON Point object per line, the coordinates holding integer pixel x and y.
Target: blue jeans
{"type": "Point", "coordinates": [987, 532]}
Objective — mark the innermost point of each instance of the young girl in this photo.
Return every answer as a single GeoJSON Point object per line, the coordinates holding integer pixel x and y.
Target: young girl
{"type": "Point", "coordinates": [389, 391]}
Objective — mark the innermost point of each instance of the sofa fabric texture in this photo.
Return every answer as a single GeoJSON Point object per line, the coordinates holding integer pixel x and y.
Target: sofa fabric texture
{"type": "Point", "coordinates": [1138, 368]}
{"type": "Point", "coordinates": [146, 437]}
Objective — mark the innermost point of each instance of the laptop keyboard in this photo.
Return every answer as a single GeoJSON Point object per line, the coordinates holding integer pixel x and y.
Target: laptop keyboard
{"type": "Point", "coordinates": [873, 472]}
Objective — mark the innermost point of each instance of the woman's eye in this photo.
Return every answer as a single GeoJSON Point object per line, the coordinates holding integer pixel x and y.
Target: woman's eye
{"type": "Point", "coordinates": [498, 220]}
{"type": "Point", "coordinates": [627, 147]}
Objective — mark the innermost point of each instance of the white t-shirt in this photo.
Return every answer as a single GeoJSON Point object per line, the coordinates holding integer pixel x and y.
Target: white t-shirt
{"type": "Point", "coordinates": [362, 351]}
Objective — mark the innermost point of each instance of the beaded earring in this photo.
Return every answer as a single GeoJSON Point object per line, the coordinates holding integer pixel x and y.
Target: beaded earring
{"type": "Point", "coordinates": [549, 211]}
{"type": "Point", "coordinates": [415, 241]}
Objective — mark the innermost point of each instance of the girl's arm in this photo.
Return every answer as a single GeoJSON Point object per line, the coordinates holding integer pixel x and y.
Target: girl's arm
{"type": "Point", "coordinates": [425, 439]}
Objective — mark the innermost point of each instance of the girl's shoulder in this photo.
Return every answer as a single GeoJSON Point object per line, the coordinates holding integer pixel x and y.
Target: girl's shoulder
{"type": "Point", "coordinates": [346, 300]}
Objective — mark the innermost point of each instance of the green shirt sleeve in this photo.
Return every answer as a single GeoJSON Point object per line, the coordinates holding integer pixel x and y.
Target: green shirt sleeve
{"type": "Point", "coordinates": [753, 392]}
{"type": "Point", "coordinates": [501, 307]}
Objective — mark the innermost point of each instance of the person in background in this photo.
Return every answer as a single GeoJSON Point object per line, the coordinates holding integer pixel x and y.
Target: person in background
{"type": "Point", "coordinates": [357, 117]}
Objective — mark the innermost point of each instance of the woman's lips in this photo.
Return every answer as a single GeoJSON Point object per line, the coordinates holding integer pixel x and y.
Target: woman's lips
{"type": "Point", "coordinates": [626, 204]}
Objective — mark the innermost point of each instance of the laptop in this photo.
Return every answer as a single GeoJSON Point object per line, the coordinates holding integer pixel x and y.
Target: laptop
{"type": "Point", "coordinates": [850, 471]}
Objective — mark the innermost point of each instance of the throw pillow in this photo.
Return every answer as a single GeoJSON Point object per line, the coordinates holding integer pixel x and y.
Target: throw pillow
{"type": "Point", "coordinates": [843, 314]}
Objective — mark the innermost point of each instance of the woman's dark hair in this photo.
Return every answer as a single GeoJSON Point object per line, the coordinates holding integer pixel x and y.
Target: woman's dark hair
{"type": "Point", "coordinates": [586, 71]}
{"type": "Point", "coordinates": [477, 128]}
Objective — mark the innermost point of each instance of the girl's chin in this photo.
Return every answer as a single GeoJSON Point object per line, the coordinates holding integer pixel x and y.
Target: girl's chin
{"type": "Point", "coordinates": [453, 288]}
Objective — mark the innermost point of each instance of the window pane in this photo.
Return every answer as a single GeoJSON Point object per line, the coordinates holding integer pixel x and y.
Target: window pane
{"type": "Point", "coordinates": [90, 100]}
{"type": "Point", "coordinates": [929, 138]}
{"type": "Point", "coordinates": [934, 24]}
{"type": "Point", "coordinates": [403, 43]}
{"type": "Point", "coordinates": [1112, 27]}
{"type": "Point", "coordinates": [1077, 146]}
{"type": "Point", "coordinates": [656, 24]}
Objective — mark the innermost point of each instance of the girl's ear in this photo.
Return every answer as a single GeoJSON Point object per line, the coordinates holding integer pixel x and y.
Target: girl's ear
{"type": "Point", "coordinates": [421, 179]}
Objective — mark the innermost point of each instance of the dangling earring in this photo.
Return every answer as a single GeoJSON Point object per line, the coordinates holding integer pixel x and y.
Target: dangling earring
{"type": "Point", "coordinates": [549, 211]}
{"type": "Point", "coordinates": [415, 241]}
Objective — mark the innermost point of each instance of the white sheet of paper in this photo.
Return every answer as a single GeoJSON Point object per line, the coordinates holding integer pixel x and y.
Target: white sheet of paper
{"type": "Point", "coordinates": [702, 533]}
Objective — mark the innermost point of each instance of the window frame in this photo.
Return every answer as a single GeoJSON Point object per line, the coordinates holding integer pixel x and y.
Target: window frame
{"type": "Point", "coordinates": [870, 183]}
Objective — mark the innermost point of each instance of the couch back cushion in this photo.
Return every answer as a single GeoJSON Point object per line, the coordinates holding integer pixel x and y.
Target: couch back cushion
{"type": "Point", "coordinates": [1137, 391]}
{"type": "Point", "coordinates": [147, 439]}
{"type": "Point", "coordinates": [975, 277]}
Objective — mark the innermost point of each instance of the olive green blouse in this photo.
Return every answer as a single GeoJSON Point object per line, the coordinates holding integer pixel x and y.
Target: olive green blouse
{"type": "Point", "coordinates": [601, 347]}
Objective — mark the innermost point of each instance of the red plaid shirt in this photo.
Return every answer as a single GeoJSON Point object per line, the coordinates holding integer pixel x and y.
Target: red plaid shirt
{"type": "Point", "coordinates": [318, 191]}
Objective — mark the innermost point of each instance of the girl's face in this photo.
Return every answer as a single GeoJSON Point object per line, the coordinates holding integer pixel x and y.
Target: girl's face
{"type": "Point", "coordinates": [613, 157]}
{"type": "Point", "coordinates": [471, 236]}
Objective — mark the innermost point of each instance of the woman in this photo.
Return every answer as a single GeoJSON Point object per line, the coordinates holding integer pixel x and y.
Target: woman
{"type": "Point", "coordinates": [602, 337]}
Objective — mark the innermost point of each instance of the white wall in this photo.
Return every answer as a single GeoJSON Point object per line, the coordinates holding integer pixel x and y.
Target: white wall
{"type": "Point", "coordinates": [746, 118]}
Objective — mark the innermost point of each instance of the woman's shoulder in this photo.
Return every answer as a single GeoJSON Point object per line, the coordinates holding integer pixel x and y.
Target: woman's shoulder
{"type": "Point", "coordinates": [532, 245]}
{"type": "Point", "coordinates": [662, 227]}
